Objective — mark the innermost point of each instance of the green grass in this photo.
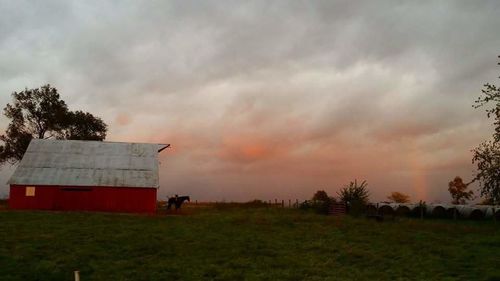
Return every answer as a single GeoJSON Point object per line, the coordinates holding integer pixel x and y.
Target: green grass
{"type": "Point", "coordinates": [243, 244]}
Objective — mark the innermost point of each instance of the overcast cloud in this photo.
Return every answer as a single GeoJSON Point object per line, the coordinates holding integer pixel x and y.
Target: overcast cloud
{"type": "Point", "coordinates": [269, 99]}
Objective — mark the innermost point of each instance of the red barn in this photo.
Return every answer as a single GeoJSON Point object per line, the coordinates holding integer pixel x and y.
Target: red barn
{"type": "Point", "coordinates": [87, 176]}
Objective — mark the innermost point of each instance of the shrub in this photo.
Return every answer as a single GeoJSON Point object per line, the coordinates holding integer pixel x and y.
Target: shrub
{"type": "Point", "coordinates": [320, 203]}
{"type": "Point", "coordinates": [255, 203]}
{"type": "Point", "coordinates": [306, 205]}
{"type": "Point", "coordinates": [355, 197]}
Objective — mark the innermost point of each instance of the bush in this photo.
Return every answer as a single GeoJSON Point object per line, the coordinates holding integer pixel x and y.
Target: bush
{"type": "Point", "coordinates": [323, 207]}
{"type": "Point", "coordinates": [255, 203]}
{"type": "Point", "coordinates": [4, 203]}
{"type": "Point", "coordinates": [356, 208]}
{"type": "Point", "coordinates": [320, 203]}
{"type": "Point", "coordinates": [306, 205]}
{"type": "Point", "coordinates": [355, 197]}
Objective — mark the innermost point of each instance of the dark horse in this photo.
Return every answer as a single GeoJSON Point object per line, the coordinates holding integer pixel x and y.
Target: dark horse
{"type": "Point", "coordinates": [177, 201]}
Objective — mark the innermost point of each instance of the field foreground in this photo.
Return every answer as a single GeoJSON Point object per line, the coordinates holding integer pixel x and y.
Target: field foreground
{"type": "Point", "coordinates": [243, 244]}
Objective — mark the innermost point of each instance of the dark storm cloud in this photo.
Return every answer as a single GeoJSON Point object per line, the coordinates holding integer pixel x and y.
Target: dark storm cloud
{"type": "Point", "coordinates": [269, 98]}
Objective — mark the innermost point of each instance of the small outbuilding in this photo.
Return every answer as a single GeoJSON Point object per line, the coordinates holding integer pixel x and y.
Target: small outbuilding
{"type": "Point", "coordinates": [87, 176]}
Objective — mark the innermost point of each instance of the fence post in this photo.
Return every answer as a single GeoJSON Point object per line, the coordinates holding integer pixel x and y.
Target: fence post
{"type": "Point", "coordinates": [77, 275]}
{"type": "Point", "coordinates": [289, 203]}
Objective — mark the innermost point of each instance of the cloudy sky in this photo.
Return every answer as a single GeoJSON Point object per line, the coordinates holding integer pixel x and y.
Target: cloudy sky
{"type": "Point", "coordinates": [269, 99]}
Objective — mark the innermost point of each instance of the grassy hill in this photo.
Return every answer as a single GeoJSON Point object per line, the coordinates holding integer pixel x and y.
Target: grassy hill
{"type": "Point", "coordinates": [243, 244]}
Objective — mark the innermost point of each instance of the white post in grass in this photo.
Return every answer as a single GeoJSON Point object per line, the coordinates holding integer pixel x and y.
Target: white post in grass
{"type": "Point", "coordinates": [77, 275]}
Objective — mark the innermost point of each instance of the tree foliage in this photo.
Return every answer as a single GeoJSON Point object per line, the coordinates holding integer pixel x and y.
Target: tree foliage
{"type": "Point", "coordinates": [41, 113]}
{"type": "Point", "coordinates": [81, 125]}
{"type": "Point", "coordinates": [355, 197]}
{"type": "Point", "coordinates": [458, 191]}
{"type": "Point", "coordinates": [487, 155]}
{"type": "Point", "coordinates": [354, 193]}
{"type": "Point", "coordinates": [487, 158]}
{"type": "Point", "coordinates": [491, 95]}
{"type": "Point", "coordinates": [486, 201]}
{"type": "Point", "coordinates": [320, 195]}
{"type": "Point", "coordinates": [398, 197]}
{"type": "Point", "coordinates": [320, 202]}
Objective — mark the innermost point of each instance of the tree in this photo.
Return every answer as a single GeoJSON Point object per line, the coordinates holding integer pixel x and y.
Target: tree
{"type": "Point", "coordinates": [398, 197]}
{"type": "Point", "coordinates": [41, 113]}
{"type": "Point", "coordinates": [320, 195]}
{"type": "Point", "coordinates": [320, 202]}
{"type": "Point", "coordinates": [487, 154]}
{"type": "Point", "coordinates": [355, 197]}
{"type": "Point", "coordinates": [487, 158]}
{"type": "Point", "coordinates": [81, 125]}
{"type": "Point", "coordinates": [354, 193]}
{"type": "Point", "coordinates": [458, 191]}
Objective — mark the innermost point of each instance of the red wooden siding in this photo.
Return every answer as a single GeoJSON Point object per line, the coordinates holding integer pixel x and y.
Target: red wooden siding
{"type": "Point", "coordinates": [66, 198]}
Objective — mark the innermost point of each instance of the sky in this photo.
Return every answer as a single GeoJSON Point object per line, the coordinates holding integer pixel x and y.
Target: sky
{"type": "Point", "coordinates": [269, 99]}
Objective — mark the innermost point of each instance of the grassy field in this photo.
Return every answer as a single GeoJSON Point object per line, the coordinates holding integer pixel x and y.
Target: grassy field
{"type": "Point", "coordinates": [243, 244]}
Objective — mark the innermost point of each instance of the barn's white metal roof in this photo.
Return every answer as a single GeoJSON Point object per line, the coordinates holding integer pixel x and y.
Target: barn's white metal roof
{"type": "Point", "coordinates": [88, 163]}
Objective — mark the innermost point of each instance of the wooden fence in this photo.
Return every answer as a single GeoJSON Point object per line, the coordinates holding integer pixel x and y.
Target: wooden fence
{"type": "Point", "coordinates": [289, 203]}
{"type": "Point", "coordinates": [337, 209]}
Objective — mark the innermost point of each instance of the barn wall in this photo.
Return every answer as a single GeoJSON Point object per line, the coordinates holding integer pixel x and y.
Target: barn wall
{"type": "Point", "coordinates": [67, 198]}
